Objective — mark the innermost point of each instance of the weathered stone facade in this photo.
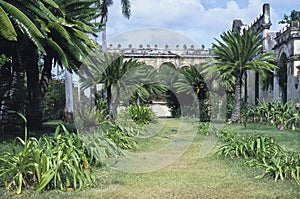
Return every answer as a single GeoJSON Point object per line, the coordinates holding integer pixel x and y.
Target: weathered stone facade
{"type": "Point", "coordinates": [286, 45]}
{"type": "Point", "coordinates": [156, 57]}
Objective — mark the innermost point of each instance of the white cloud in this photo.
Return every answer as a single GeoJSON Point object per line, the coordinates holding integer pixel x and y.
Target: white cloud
{"type": "Point", "coordinates": [188, 17]}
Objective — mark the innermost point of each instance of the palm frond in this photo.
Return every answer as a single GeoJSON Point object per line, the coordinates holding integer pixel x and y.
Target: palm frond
{"type": "Point", "coordinates": [7, 30]}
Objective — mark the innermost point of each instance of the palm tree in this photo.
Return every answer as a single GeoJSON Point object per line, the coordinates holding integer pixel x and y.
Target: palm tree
{"type": "Point", "coordinates": [115, 73]}
{"type": "Point", "coordinates": [236, 53]}
{"type": "Point", "coordinates": [82, 13]}
{"type": "Point", "coordinates": [40, 30]}
{"type": "Point", "coordinates": [194, 76]}
{"type": "Point", "coordinates": [67, 43]}
{"type": "Point", "coordinates": [103, 6]}
{"type": "Point", "coordinates": [22, 38]}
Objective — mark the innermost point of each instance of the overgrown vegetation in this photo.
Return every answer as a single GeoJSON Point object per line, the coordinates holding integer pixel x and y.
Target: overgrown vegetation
{"type": "Point", "coordinates": [57, 162]}
{"type": "Point", "coordinates": [274, 113]}
{"type": "Point", "coordinates": [142, 114]}
{"type": "Point", "coordinates": [54, 101]}
{"type": "Point", "coordinates": [263, 152]}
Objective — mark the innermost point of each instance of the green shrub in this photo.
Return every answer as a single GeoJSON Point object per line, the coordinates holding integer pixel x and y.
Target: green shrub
{"type": "Point", "coordinates": [275, 113]}
{"type": "Point", "coordinates": [121, 133]}
{"type": "Point", "coordinates": [253, 146]}
{"type": "Point", "coordinates": [99, 148]}
{"type": "Point", "coordinates": [262, 150]}
{"type": "Point", "coordinates": [282, 165]}
{"type": "Point", "coordinates": [141, 114]}
{"type": "Point", "coordinates": [54, 101]}
{"type": "Point", "coordinates": [101, 109]}
{"type": "Point", "coordinates": [57, 162]}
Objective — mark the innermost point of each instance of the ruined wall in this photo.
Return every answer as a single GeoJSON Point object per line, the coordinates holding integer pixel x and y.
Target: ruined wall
{"type": "Point", "coordinates": [286, 45]}
{"type": "Point", "coordinates": [155, 56]}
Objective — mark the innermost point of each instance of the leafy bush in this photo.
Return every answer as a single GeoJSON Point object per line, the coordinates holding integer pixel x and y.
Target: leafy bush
{"type": "Point", "coordinates": [121, 133]}
{"type": "Point", "coordinates": [253, 146]}
{"type": "Point", "coordinates": [54, 100]}
{"type": "Point", "coordinates": [282, 165]}
{"type": "Point", "coordinates": [262, 150]}
{"type": "Point", "coordinates": [203, 128]}
{"type": "Point", "coordinates": [275, 113]}
{"type": "Point", "coordinates": [141, 114]}
{"type": "Point", "coordinates": [46, 163]}
{"type": "Point", "coordinates": [99, 148]}
{"type": "Point", "coordinates": [101, 109]}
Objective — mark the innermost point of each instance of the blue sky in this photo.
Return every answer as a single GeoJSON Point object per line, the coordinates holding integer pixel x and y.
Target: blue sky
{"type": "Point", "coordinates": [188, 22]}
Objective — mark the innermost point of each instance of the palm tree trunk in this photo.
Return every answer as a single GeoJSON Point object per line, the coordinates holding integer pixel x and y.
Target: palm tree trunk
{"type": "Point", "coordinates": [109, 101]}
{"type": "Point", "coordinates": [236, 112]}
{"type": "Point", "coordinates": [115, 104]}
{"type": "Point", "coordinates": [104, 42]}
{"type": "Point", "coordinates": [34, 113]}
{"type": "Point", "coordinates": [69, 107]}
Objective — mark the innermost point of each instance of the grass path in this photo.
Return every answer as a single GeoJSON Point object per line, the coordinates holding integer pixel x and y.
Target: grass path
{"type": "Point", "coordinates": [190, 176]}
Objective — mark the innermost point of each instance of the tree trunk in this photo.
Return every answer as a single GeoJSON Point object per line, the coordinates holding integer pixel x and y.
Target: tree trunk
{"type": "Point", "coordinates": [34, 112]}
{"type": "Point", "coordinates": [104, 43]}
{"type": "Point", "coordinates": [115, 103]}
{"type": "Point", "coordinates": [69, 107]}
{"type": "Point", "coordinates": [236, 112]}
{"type": "Point", "coordinates": [109, 101]}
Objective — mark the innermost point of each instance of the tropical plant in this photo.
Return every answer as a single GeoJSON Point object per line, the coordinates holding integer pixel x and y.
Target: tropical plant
{"type": "Point", "coordinates": [287, 19]}
{"type": "Point", "coordinates": [203, 128]}
{"type": "Point", "coordinates": [142, 114]}
{"type": "Point", "coordinates": [115, 73]}
{"type": "Point", "coordinates": [68, 42]}
{"type": "Point", "coordinates": [193, 75]}
{"type": "Point", "coordinates": [263, 152]}
{"type": "Point", "coordinates": [275, 113]}
{"type": "Point", "coordinates": [101, 109]}
{"type": "Point", "coordinates": [57, 162]}
{"type": "Point", "coordinates": [99, 148]}
{"type": "Point", "coordinates": [257, 146]}
{"type": "Point", "coordinates": [236, 53]}
{"type": "Point", "coordinates": [121, 133]}
{"type": "Point", "coordinates": [53, 106]}
{"type": "Point", "coordinates": [60, 35]}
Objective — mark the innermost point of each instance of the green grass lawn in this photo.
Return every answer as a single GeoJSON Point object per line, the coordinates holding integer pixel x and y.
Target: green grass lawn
{"type": "Point", "coordinates": [190, 176]}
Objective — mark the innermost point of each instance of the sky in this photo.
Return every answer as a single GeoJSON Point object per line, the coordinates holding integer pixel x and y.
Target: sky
{"type": "Point", "coordinates": [190, 22]}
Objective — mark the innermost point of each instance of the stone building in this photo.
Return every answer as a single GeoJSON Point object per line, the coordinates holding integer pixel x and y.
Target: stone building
{"type": "Point", "coordinates": [286, 44]}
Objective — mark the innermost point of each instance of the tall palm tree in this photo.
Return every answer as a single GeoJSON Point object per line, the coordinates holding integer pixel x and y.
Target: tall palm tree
{"type": "Point", "coordinates": [84, 14]}
{"type": "Point", "coordinates": [103, 6]}
{"type": "Point", "coordinates": [67, 43]}
{"type": "Point", "coordinates": [236, 53]}
{"type": "Point", "coordinates": [41, 29]}
{"type": "Point", "coordinates": [22, 38]}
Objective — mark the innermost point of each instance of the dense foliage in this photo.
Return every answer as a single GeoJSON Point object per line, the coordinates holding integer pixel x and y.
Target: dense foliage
{"type": "Point", "coordinates": [54, 101]}
{"type": "Point", "coordinates": [263, 152]}
{"type": "Point", "coordinates": [62, 161]}
{"type": "Point", "coordinates": [275, 113]}
{"type": "Point", "coordinates": [57, 162]}
{"type": "Point", "coordinates": [141, 114]}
